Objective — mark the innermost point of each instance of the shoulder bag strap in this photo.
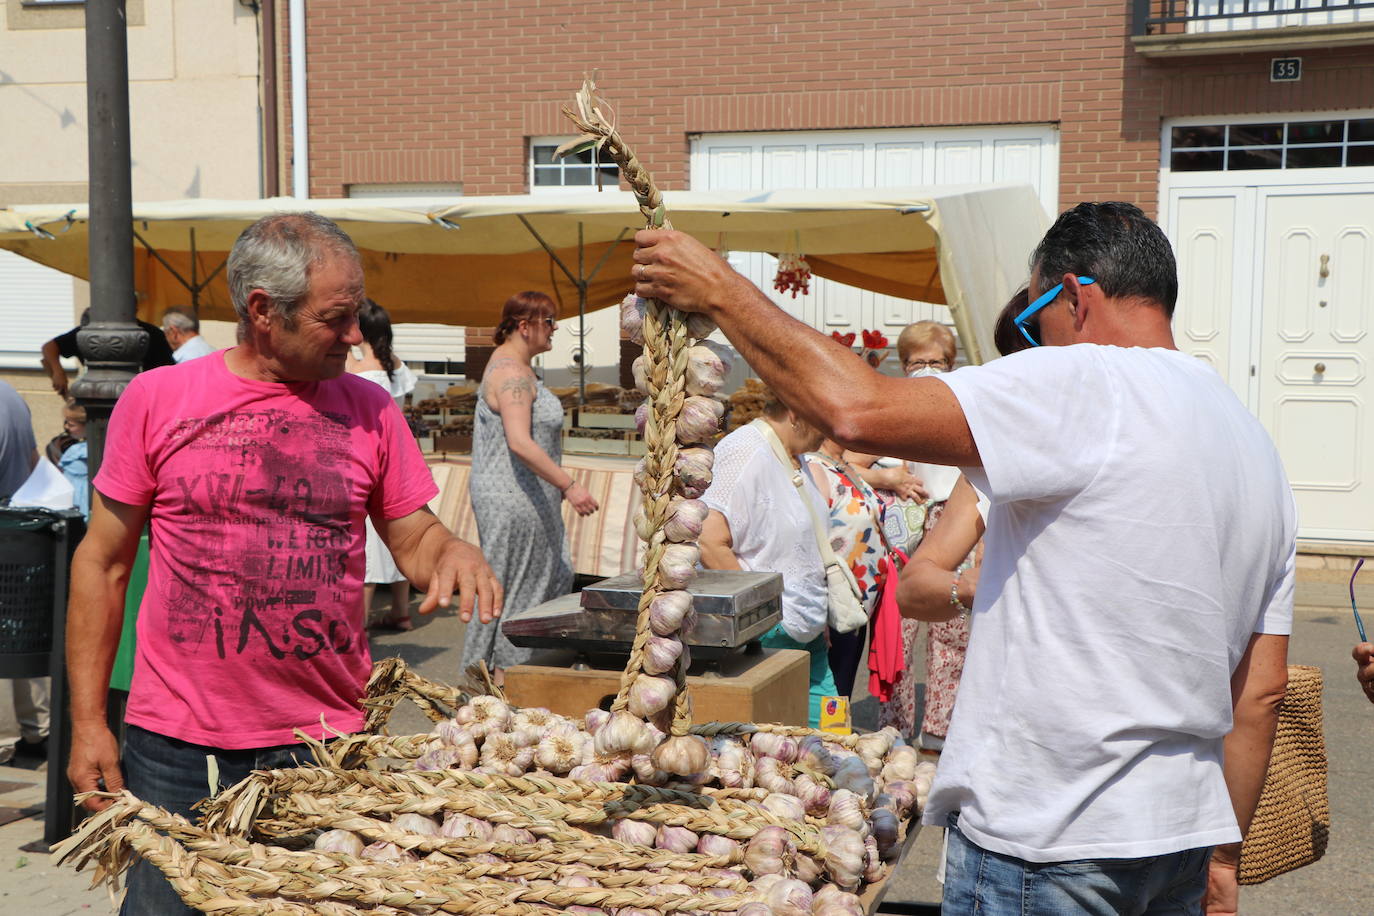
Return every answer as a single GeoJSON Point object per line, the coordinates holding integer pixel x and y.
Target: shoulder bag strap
{"type": "Point", "coordinates": [822, 542]}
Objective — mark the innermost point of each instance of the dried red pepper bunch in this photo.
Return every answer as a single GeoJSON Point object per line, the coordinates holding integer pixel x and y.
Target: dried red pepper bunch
{"type": "Point", "coordinates": [794, 275]}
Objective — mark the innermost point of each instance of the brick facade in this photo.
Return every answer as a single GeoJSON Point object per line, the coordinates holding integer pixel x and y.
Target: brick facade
{"type": "Point", "coordinates": [431, 90]}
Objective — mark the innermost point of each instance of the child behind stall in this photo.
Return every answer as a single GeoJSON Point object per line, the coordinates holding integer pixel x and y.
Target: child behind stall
{"type": "Point", "coordinates": [73, 458]}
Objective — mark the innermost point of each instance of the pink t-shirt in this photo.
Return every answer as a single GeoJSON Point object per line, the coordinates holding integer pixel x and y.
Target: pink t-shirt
{"type": "Point", "coordinates": [252, 622]}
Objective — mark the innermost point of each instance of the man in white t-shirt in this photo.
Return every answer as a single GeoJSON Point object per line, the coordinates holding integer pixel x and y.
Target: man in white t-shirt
{"type": "Point", "coordinates": [1136, 593]}
{"type": "Point", "coordinates": [182, 330]}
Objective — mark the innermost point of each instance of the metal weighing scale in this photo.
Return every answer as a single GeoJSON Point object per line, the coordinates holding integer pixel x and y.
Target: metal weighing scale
{"type": "Point", "coordinates": [732, 607]}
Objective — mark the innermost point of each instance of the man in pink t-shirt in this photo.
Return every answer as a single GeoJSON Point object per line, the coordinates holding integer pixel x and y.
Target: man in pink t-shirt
{"type": "Point", "coordinates": [255, 468]}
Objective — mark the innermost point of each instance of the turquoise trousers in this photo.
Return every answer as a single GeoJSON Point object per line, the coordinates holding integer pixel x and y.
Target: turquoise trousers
{"type": "Point", "coordinates": [822, 681]}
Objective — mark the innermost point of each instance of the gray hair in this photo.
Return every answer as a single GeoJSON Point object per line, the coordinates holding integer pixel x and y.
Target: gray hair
{"type": "Point", "coordinates": [277, 254]}
{"type": "Point", "coordinates": [182, 319]}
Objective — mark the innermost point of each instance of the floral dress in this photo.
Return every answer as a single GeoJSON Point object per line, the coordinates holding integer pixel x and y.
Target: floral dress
{"type": "Point", "coordinates": [854, 513]}
{"type": "Point", "coordinates": [946, 645]}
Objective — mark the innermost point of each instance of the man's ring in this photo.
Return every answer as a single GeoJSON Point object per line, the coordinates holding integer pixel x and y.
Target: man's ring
{"type": "Point", "coordinates": [641, 271]}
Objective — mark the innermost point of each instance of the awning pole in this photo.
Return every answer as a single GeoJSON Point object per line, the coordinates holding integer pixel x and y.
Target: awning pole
{"type": "Point", "coordinates": [581, 322]}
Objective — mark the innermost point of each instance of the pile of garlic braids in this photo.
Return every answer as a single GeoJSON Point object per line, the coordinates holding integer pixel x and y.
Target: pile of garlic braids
{"type": "Point", "coordinates": [653, 688]}
{"type": "Point", "coordinates": [796, 823]}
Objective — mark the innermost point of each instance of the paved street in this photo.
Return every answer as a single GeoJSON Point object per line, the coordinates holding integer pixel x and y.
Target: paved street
{"type": "Point", "coordinates": [1338, 885]}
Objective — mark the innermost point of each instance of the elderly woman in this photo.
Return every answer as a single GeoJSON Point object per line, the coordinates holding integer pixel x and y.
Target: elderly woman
{"type": "Point", "coordinates": [924, 348]}
{"type": "Point", "coordinates": [517, 486]}
{"type": "Point", "coordinates": [762, 504]}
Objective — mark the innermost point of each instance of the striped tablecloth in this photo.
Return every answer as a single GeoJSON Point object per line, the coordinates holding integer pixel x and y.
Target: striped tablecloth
{"type": "Point", "coordinates": [603, 543]}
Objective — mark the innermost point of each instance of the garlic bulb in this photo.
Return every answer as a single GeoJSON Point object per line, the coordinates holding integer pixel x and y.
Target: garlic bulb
{"type": "Point", "coordinates": [440, 758]}
{"type": "Point", "coordinates": [712, 844]}
{"type": "Point", "coordinates": [831, 901]}
{"type": "Point", "coordinates": [640, 833]}
{"type": "Point", "coordinates": [458, 826]}
{"type": "Point", "coordinates": [416, 823]}
{"type": "Point", "coordinates": [641, 421]}
{"type": "Point", "coordinates": [768, 774]}
{"type": "Point", "coordinates": [873, 748]}
{"type": "Point", "coordinates": [503, 753]}
{"type": "Point", "coordinates": [693, 470]}
{"type": "Point", "coordinates": [632, 317]}
{"type": "Point", "coordinates": [770, 851]}
{"type": "Point", "coordinates": [699, 325]}
{"type": "Point", "coordinates": [389, 853]}
{"type": "Point", "coordinates": [814, 797]}
{"type": "Point", "coordinates": [650, 694]}
{"type": "Point", "coordinates": [661, 654]}
{"type": "Point", "coordinates": [640, 372]}
{"type": "Point", "coordinates": [874, 869]}
{"type": "Point", "coordinates": [683, 755]}
{"type": "Point", "coordinates": [903, 795]}
{"type": "Point", "coordinates": [675, 839]}
{"type": "Point", "coordinates": [731, 763]}
{"type": "Point", "coordinates": [608, 771]}
{"type": "Point", "coordinates": [754, 908]}
{"type": "Point", "coordinates": [708, 363]}
{"type": "Point", "coordinates": [885, 830]}
{"type": "Point", "coordinates": [769, 744]}
{"type": "Point", "coordinates": [678, 565]}
{"type": "Point", "coordinates": [852, 774]}
{"type": "Point", "coordinates": [594, 719]}
{"type": "Point", "coordinates": [344, 841]}
{"type": "Point", "coordinates": [900, 763]}
{"type": "Point", "coordinates": [788, 807]}
{"type": "Point", "coordinates": [624, 734]}
{"type": "Point", "coordinates": [646, 773]}
{"type": "Point", "coordinates": [788, 897]}
{"type": "Point", "coordinates": [806, 869]}
{"type": "Point", "coordinates": [846, 809]}
{"type": "Point", "coordinates": [667, 611]}
{"type": "Point", "coordinates": [560, 750]}
{"type": "Point", "coordinates": [813, 754]}
{"type": "Point", "coordinates": [684, 521]}
{"type": "Point", "coordinates": [505, 833]}
{"type": "Point", "coordinates": [844, 855]}
{"type": "Point", "coordinates": [484, 715]}
{"type": "Point", "coordinates": [699, 420]}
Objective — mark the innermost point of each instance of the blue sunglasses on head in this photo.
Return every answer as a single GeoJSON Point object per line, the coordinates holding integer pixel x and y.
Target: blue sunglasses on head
{"type": "Point", "coordinates": [1049, 296]}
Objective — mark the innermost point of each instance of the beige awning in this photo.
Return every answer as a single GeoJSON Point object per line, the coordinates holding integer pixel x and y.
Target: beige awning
{"type": "Point", "coordinates": [456, 260]}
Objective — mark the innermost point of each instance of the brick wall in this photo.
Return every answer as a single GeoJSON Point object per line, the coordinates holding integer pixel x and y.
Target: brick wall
{"type": "Point", "coordinates": [431, 90]}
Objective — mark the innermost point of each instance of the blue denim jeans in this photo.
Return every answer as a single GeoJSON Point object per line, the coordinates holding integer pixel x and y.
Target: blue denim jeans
{"type": "Point", "coordinates": [991, 884]}
{"type": "Point", "coordinates": [173, 774]}
{"type": "Point", "coordinates": [822, 681]}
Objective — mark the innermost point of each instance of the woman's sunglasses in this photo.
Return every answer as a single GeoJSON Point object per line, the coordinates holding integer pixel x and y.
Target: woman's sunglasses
{"type": "Point", "coordinates": [1023, 321]}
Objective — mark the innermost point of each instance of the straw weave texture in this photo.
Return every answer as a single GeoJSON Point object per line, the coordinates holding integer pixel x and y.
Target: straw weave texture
{"type": "Point", "coordinates": [1293, 818]}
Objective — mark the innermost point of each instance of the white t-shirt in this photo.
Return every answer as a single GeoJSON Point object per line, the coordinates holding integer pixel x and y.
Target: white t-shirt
{"type": "Point", "coordinates": [770, 527]}
{"type": "Point", "coordinates": [194, 348]}
{"type": "Point", "coordinates": [1141, 530]}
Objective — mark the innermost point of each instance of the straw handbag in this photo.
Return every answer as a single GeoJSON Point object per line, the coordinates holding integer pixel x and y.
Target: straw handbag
{"type": "Point", "coordinates": [1292, 820]}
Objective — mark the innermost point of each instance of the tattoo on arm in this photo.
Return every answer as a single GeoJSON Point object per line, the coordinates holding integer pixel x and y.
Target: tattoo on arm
{"type": "Point", "coordinates": [519, 389]}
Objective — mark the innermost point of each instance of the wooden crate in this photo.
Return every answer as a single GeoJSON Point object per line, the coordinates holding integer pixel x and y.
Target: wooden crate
{"type": "Point", "coordinates": [769, 686]}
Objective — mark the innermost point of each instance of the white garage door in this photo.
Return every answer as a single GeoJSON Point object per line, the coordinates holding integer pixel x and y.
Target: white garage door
{"type": "Point", "coordinates": [869, 159]}
{"type": "Point", "coordinates": [35, 306]}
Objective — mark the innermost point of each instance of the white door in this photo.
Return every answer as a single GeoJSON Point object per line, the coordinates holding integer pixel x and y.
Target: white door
{"type": "Point", "coordinates": [1316, 351]}
{"type": "Point", "coordinates": [868, 159]}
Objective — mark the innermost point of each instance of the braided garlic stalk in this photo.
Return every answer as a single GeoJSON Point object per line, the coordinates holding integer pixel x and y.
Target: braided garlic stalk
{"type": "Point", "coordinates": [654, 685]}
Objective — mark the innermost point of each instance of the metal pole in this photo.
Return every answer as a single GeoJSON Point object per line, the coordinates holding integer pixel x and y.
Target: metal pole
{"type": "Point", "coordinates": [581, 321]}
{"type": "Point", "coordinates": [112, 344]}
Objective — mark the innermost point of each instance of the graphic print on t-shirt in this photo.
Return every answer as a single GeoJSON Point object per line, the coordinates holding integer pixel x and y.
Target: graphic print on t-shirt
{"type": "Point", "coordinates": [270, 490]}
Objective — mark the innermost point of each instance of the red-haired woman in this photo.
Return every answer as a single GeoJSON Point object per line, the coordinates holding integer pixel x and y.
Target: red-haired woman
{"type": "Point", "coordinates": [517, 486]}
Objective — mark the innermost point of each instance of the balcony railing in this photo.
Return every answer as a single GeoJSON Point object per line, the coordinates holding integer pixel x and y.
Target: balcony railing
{"type": "Point", "coordinates": [1175, 17]}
